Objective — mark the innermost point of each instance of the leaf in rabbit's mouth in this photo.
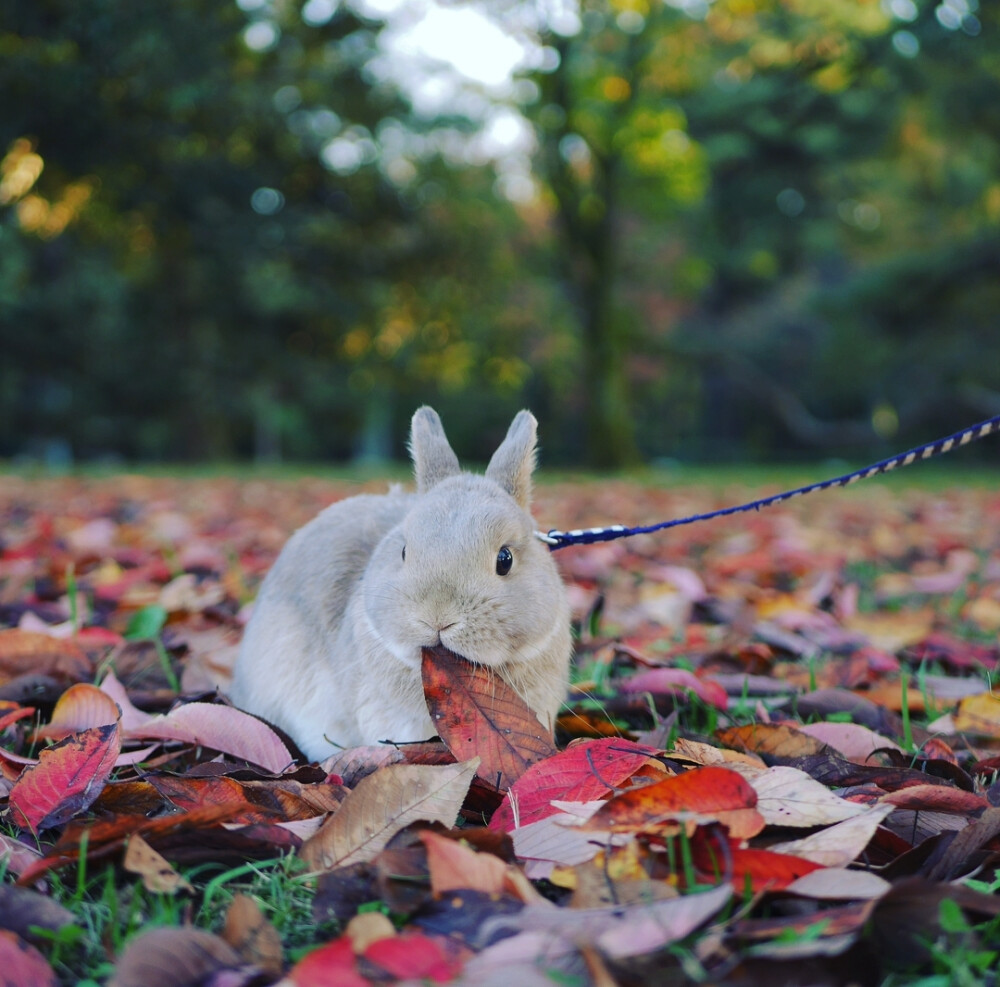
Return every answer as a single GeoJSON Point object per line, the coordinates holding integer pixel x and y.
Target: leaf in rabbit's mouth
{"type": "Point", "coordinates": [477, 713]}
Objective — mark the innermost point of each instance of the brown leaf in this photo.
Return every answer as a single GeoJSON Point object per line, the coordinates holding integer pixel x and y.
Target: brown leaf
{"type": "Point", "coordinates": [774, 739]}
{"type": "Point", "coordinates": [29, 651]}
{"type": "Point", "coordinates": [22, 908]}
{"type": "Point", "coordinates": [252, 936]}
{"type": "Point", "coordinates": [157, 874]}
{"type": "Point", "coordinates": [477, 713]}
{"type": "Point", "coordinates": [173, 957]}
{"type": "Point", "coordinates": [382, 805]}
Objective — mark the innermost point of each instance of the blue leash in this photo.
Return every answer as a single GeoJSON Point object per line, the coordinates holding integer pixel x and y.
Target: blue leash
{"type": "Point", "coordinates": [556, 539]}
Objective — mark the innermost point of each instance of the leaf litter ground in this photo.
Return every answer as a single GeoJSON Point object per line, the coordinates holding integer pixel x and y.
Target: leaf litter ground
{"type": "Point", "coordinates": [778, 762]}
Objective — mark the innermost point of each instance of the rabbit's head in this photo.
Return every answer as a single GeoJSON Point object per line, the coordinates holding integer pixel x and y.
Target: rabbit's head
{"type": "Point", "coordinates": [464, 568]}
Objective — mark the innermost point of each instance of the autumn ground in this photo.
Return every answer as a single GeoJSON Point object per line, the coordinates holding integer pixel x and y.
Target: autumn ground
{"type": "Point", "coordinates": [778, 765]}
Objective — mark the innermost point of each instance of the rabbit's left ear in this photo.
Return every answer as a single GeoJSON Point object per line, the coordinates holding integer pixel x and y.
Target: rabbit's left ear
{"type": "Point", "coordinates": [514, 461]}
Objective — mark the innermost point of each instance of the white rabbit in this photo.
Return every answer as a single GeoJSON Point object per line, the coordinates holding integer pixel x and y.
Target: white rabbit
{"type": "Point", "coordinates": [332, 653]}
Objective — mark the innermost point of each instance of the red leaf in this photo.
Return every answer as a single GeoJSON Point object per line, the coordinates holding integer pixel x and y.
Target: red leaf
{"type": "Point", "coordinates": [67, 778]}
{"type": "Point", "coordinates": [23, 964]}
{"type": "Point", "coordinates": [332, 965]}
{"type": "Point", "coordinates": [584, 771]}
{"type": "Point", "coordinates": [762, 869]}
{"type": "Point", "coordinates": [412, 956]}
{"type": "Point", "coordinates": [476, 713]}
{"type": "Point", "coordinates": [676, 680]}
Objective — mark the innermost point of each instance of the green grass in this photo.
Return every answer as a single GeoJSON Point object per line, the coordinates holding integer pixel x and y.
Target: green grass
{"type": "Point", "coordinates": [111, 908]}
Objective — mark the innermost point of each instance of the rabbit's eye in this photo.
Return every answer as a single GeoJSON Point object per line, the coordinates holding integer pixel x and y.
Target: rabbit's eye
{"type": "Point", "coordinates": [505, 559]}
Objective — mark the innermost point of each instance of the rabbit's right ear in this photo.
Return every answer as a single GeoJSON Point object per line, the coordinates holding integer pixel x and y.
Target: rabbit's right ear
{"type": "Point", "coordinates": [433, 459]}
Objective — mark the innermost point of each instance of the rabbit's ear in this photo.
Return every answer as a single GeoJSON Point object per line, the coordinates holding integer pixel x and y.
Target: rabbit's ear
{"type": "Point", "coordinates": [433, 459]}
{"type": "Point", "coordinates": [514, 461]}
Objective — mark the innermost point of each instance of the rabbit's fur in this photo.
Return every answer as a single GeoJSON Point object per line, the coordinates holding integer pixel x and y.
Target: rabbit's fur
{"type": "Point", "coordinates": [332, 653]}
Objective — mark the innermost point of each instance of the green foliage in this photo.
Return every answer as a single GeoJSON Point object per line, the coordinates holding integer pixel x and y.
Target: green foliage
{"type": "Point", "coordinates": [755, 227]}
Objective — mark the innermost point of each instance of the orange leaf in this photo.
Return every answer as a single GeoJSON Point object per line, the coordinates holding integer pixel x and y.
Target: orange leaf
{"type": "Point", "coordinates": [67, 778]}
{"type": "Point", "coordinates": [30, 651]}
{"type": "Point", "coordinates": [80, 707]}
{"type": "Point", "coordinates": [478, 714]}
{"type": "Point", "coordinates": [454, 866]}
{"type": "Point", "coordinates": [709, 793]}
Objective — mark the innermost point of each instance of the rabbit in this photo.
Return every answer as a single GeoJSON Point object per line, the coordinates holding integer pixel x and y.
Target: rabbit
{"type": "Point", "coordinates": [332, 651]}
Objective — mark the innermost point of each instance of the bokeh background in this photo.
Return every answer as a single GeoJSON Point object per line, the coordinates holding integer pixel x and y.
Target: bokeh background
{"type": "Point", "coordinates": [704, 230]}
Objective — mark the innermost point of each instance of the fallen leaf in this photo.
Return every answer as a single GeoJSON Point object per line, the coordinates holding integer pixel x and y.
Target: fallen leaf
{"type": "Point", "coordinates": [477, 714]}
{"type": "Point", "coordinates": [30, 651]}
{"type": "Point", "coordinates": [157, 874]}
{"type": "Point", "coordinates": [778, 740]}
{"type": "Point", "coordinates": [789, 797]}
{"type": "Point", "coordinates": [676, 680]}
{"type": "Point", "coordinates": [67, 778]}
{"type": "Point", "coordinates": [22, 965]}
{"type": "Point", "coordinates": [332, 965]}
{"type": "Point", "coordinates": [454, 866]}
{"type": "Point", "coordinates": [694, 797]}
{"type": "Point", "coordinates": [855, 742]}
{"type": "Point", "coordinates": [758, 870]}
{"type": "Point", "coordinates": [80, 707]}
{"type": "Point", "coordinates": [221, 728]}
{"type": "Point", "coordinates": [252, 936]}
{"type": "Point", "coordinates": [412, 956]}
{"type": "Point", "coordinates": [172, 957]}
{"type": "Point", "coordinates": [382, 805]}
{"type": "Point", "coordinates": [22, 908]}
{"type": "Point", "coordinates": [620, 932]}
{"type": "Point", "coordinates": [979, 714]}
{"type": "Point", "coordinates": [368, 927]}
{"type": "Point", "coordinates": [840, 844]}
{"type": "Point", "coordinates": [833, 883]}
{"type": "Point", "coordinates": [584, 771]}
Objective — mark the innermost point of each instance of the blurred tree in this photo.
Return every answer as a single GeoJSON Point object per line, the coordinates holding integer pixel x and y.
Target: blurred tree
{"type": "Point", "coordinates": [610, 139]}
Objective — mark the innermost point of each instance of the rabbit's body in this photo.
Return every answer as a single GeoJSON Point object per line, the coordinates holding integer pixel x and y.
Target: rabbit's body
{"type": "Point", "coordinates": [332, 654]}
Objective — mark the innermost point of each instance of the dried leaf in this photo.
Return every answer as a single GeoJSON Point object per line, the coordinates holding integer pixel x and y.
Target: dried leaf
{"type": "Point", "coordinates": [840, 844]}
{"type": "Point", "coordinates": [382, 805]}
{"type": "Point", "coordinates": [172, 957]}
{"type": "Point", "coordinates": [778, 740]}
{"type": "Point", "coordinates": [67, 778]}
{"type": "Point", "coordinates": [477, 713]}
{"type": "Point", "coordinates": [332, 965]}
{"type": "Point", "coordinates": [696, 796]}
{"type": "Point", "coordinates": [454, 866]}
{"type": "Point", "coordinates": [252, 936]}
{"type": "Point", "coordinates": [621, 932]}
{"type": "Point", "coordinates": [22, 908]}
{"type": "Point", "coordinates": [221, 728]}
{"type": "Point", "coordinates": [42, 654]}
{"type": "Point", "coordinates": [584, 771]}
{"type": "Point", "coordinates": [80, 707]}
{"type": "Point", "coordinates": [157, 874]}
{"type": "Point", "coordinates": [22, 965]}
{"type": "Point", "coordinates": [789, 797]}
